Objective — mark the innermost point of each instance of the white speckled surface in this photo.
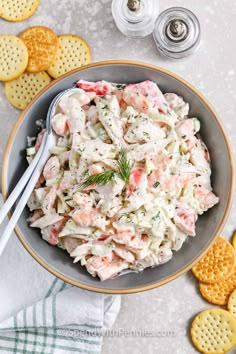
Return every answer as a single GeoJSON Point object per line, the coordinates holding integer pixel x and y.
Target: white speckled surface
{"type": "Point", "coordinates": [212, 70]}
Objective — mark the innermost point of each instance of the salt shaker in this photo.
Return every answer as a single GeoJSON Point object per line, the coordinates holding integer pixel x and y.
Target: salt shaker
{"type": "Point", "coordinates": [135, 18]}
{"type": "Point", "coordinates": [177, 32]}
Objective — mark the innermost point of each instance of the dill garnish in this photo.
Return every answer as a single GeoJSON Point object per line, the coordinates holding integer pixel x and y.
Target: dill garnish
{"type": "Point", "coordinates": [98, 178]}
{"type": "Point", "coordinates": [125, 168]}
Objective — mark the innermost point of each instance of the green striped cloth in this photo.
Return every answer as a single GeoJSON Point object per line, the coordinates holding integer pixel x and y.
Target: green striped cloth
{"type": "Point", "coordinates": [43, 315]}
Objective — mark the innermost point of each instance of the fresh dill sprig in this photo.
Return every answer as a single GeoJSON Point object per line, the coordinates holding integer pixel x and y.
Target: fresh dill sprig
{"type": "Point", "coordinates": [125, 166]}
{"type": "Point", "coordinates": [98, 178]}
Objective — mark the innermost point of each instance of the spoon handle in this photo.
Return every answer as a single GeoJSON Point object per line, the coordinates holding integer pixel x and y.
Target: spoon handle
{"type": "Point", "coordinates": [27, 192]}
{"type": "Point", "coordinates": [22, 183]}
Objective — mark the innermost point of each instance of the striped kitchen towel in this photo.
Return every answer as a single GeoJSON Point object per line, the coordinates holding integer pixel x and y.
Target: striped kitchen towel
{"type": "Point", "coordinates": [43, 315]}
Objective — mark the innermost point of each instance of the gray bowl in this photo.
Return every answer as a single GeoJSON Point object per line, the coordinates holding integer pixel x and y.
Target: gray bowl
{"type": "Point", "coordinates": [208, 226]}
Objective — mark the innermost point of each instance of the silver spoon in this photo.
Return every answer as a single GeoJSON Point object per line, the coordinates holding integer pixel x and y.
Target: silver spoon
{"type": "Point", "coordinates": [33, 172]}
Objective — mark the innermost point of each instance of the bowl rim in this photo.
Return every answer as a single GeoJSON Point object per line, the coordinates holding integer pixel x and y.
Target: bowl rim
{"type": "Point", "coordinates": [207, 246]}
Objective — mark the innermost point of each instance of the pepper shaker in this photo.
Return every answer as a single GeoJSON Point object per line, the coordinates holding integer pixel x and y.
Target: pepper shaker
{"type": "Point", "coordinates": [177, 32]}
{"type": "Point", "coordinates": [135, 18]}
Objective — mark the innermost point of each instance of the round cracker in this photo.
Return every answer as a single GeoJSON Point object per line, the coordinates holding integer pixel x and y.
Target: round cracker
{"type": "Point", "coordinates": [213, 331]}
{"type": "Point", "coordinates": [13, 58]}
{"type": "Point", "coordinates": [217, 264]}
{"type": "Point", "coordinates": [17, 10]}
{"type": "Point", "coordinates": [231, 306]}
{"type": "Point", "coordinates": [73, 53]}
{"type": "Point", "coordinates": [21, 91]}
{"type": "Point", "coordinates": [219, 292]}
{"type": "Point", "coordinates": [42, 44]}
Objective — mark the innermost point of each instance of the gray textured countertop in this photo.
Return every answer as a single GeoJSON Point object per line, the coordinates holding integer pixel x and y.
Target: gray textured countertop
{"type": "Point", "coordinates": [212, 70]}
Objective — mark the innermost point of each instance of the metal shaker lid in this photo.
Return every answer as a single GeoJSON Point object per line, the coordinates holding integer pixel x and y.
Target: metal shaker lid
{"type": "Point", "coordinates": [177, 32]}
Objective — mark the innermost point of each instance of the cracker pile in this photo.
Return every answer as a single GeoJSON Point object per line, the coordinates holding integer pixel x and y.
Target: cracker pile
{"type": "Point", "coordinates": [213, 331]}
{"type": "Point", "coordinates": [218, 263]}
{"type": "Point", "coordinates": [29, 62]}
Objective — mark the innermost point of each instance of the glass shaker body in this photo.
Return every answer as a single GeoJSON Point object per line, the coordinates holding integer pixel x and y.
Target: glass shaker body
{"type": "Point", "coordinates": [137, 23]}
{"type": "Point", "coordinates": [177, 32]}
